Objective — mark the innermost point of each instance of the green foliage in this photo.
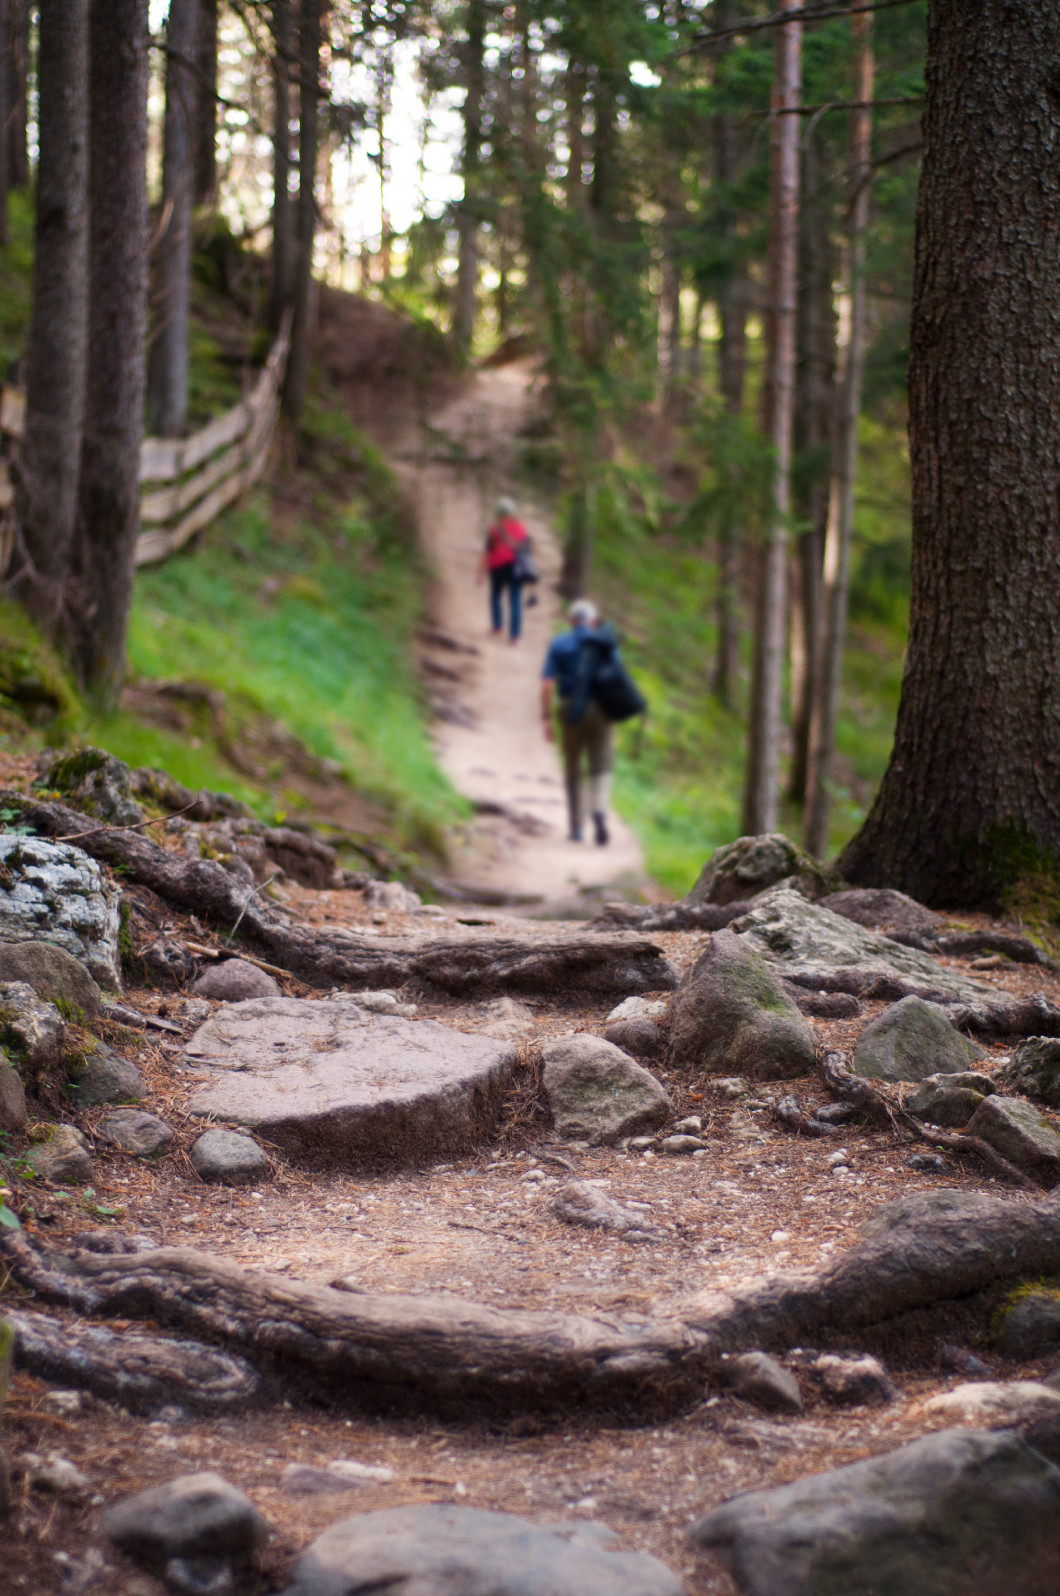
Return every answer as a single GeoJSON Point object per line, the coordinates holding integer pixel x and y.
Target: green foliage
{"type": "Point", "coordinates": [34, 684]}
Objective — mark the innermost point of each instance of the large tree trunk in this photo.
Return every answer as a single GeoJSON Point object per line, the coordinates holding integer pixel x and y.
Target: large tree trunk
{"type": "Point", "coordinates": [101, 590]}
{"type": "Point", "coordinates": [6, 45]}
{"type": "Point", "coordinates": [17, 139]}
{"type": "Point", "coordinates": [281, 286]}
{"type": "Point", "coordinates": [309, 40]}
{"type": "Point", "coordinates": [840, 530]}
{"type": "Point", "coordinates": [761, 790]}
{"type": "Point", "coordinates": [55, 388]}
{"type": "Point", "coordinates": [970, 803]}
{"type": "Point", "coordinates": [206, 131]}
{"type": "Point", "coordinates": [167, 369]}
{"type": "Point", "coordinates": [468, 218]}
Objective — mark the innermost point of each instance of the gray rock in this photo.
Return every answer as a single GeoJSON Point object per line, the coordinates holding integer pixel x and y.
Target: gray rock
{"type": "Point", "coordinates": [731, 1013]}
{"type": "Point", "coordinates": [305, 1479]}
{"type": "Point", "coordinates": [760, 1379]}
{"type": "Point", "coordinates": [33, 1031]}
{"type": "Point", "coordinates": [640, 1038]}
{"type": "Point", "coordinates": [639, 1008]}
{"type": "Point", "coordinates": [803, 940]}
{"type": "Point", "coordinates": [681, 1146]}
{"type": "Point", "coordinates": [63, 1159]}
{"type": "Point", "coordinates": [135, 1131]}
{"type": "Point", "coordinates": [436, 1549]}
{"type": "Point", "coordinates": [579, 1203]}
{"type": "Point", "coordinates": [228, 1158]}
{"type": "Point", "coordinates": [1030, 1327]}
{"type": "Point", "coordinates": [391, 895]}
{"type": "Point", "coordinates": [389, 1003]}
{"type": "Point", "coordinates": [198, 1515]}
{"type": "Point", "coordinates": [13, 1115]}
{"type": "Point", "coordinates": [952, 1513]}
{"type": "Point", "coordinates": [949, 1106]}
{"type": "Point", "coordinates": [921, 1208]}
{"type": "Point", "coordinates": [53, 892]}
{"type": "Point", "coordinates": [234, 981]}
{"type": "Point", "coordinates": [106, 1077]}
{"type": "Point", "coordinates": [910, 1041]}
{"type": "Point", "coordinates": [54, 975]}
{"type": "Point", "coordinates": [331, 1084]}
{"type": "Point", "coordinates": [99, 783]}
{"type": "Point", "coordinates": [1035, 1070]}
{"type": "Point", "coordinates": [885, 908]}
{"type": "Point", "coordinates": [827, 1005]}
{"type": "Point", "coordinates": [596, 1092]}
{"type": "Point", "coordinates": [750, 865]}
{"type": "Point", "coordinates": [997, 1404]}
{"type": "Point", "coordinates": [1020, 1134]}
{"type": "Point", "coordinates": [852, 1382]}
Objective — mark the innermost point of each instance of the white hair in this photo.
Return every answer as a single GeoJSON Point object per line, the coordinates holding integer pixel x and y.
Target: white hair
{"type": "Point", "coordinates": [584, 610]}
{"type": "Point", "coordinates": [506, 507]}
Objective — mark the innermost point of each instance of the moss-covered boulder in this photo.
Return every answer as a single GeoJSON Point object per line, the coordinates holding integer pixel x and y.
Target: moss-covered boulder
{"type": "Point", "coordinates": [751, 864]}
{"type": "Point", "coordinates": [911, 1040]}
{"type": "Point", "coordinates": [96, 782]}
{"type": "Point", "coordinates": [1035, 1070]}
{"type": "Point", "coordinates": [732, 1016]}
{"type": "Point", "coordinates": [950, 1100]}
{"type": "Point", "coordinates": [100, 1075]}
{"type": "Point", "coordinates": [54, 975]}
{"type": "Point", "coordinates": [62, 1157]}
{"type": "Point", "coordinates": [1029, 1324]}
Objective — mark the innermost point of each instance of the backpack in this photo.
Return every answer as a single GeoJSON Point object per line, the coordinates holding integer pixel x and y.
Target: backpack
{"type": "Point", "coordinates": [603, 678]}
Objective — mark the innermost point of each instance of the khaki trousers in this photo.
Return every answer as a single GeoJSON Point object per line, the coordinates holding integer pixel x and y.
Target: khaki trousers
{"type": "Point", "coordinates": [588, 750]}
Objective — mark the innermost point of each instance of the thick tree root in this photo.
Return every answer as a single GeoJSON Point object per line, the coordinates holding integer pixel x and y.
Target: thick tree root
{"type": "Point", "coordinates": [611, 966]}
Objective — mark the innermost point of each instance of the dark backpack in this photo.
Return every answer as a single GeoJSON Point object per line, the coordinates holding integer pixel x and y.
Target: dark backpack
{"type": "Point", "coordinates": [604, 679]}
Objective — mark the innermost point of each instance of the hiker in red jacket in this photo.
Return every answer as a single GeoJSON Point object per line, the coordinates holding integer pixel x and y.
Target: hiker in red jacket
{"type": "Point", "coordinates": [500, 561]}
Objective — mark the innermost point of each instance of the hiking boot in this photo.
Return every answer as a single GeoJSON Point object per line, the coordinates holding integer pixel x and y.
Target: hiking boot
{"type": "Point", "coordinates": [576, 835]}
{"type": "Point", "coordinates": [600, 826]}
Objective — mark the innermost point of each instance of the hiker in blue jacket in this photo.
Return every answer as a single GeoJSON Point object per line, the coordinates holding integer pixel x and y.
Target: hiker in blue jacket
{"type": "Point", "coordinates": [586, 731]}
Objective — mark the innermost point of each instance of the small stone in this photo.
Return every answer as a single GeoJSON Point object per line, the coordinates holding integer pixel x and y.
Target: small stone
{"type": "Point", "coordinates": [691, 1125]}
{"type": "Point", "coordinates": [392, 895]}
{"type": "Point", "coordinates": [55, 975]}
{"type": "Point", "coordinates": [732, 1087]}
{"type": "Point", "coordinates": [105, 1077]}
{"type": "Point", "coordinates": [579, 1203]}
{"type": "Point", "coordinates": [1020, 1134]}
{"type": "Point", "coordinates": [63, 1159]}
{"type": "Point", "coordinates": [56, 1474]}
{"type": "Point", "coordinates": [198, 1515]}
{"type": "Point", "coordinates": [929, 1164]}
{"type": "Point", "coordinates": [34, 1031]}
{"type": "Point", "coordinates": [13, 1115]}
{"type": "Point", "coordinates": [1030, 1327]}
{"type": "Point", "coordinates": [135, 1131]}
{"type": "Point", "coordinates": [911, 1040]}
{"type": "Point", "coordinates": [638, 1144]}
{"type": "Point", "coordinates": [228, 1158]}
{"type": "Point", "coordinates": [347, 1468]}
{"type": "Point", "coordinates": [731, 1009]}
{"type": "Point", "coordinates": [639, 1008]}
{"type": "Point", "coordinates": [678, 1146]}
{"type": "Point", "coordinates": [597, 1093]}
{"type": "Point", "coordinates": [235, 980]}
{"type": "Point", "coordinates": [852, 1382]}
{"type": "Point", "coordinates": [640, 1038]}
{"type": "Point", "coordinates": [835, 1113]}
{"type": "Point", "coordinates": [760, 1379]}
{"type": "Point", "coordinates": [384, 1003]}
{"type": "Point", "coordinates": [303, 1479]}
{"type": "Point", "coordinates": [827, 1005]}
{"type": "Point", "coordinates": [996, 1403]}
{"type": "Point", "coordinates": [1034, 1070]}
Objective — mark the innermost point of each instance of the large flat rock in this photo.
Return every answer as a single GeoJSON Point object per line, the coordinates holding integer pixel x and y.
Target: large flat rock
{"type": "Point", "coordinates": [802, 939]}
{"type": "Point", "coordinates": [333, 1084]}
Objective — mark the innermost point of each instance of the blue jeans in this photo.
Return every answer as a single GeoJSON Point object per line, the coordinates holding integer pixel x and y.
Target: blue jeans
{"type": "Point", "coordinates": [501, 578]}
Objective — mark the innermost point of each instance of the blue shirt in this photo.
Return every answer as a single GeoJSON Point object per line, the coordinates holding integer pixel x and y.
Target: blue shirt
{"type": "Point", "coordinates": [561, 661]}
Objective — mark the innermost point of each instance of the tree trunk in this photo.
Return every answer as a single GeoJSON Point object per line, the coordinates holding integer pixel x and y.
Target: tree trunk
{"type": "Point", "coordinates": [814, 422]}
{"type": "Point", "coordinates": [56, 356]}
{"type": "Point", "coordinates": [309, 41]}
{"type": "Point", "coordinates": [17, 141]}
{"type": "Point", "coordinates": [764, 732]}
{"type": "Point", "coordinates": [206, 130]}
{"type": "Point", "coordinates": [468, 218]}
{"type": "Point", "coordinates": [829, 664]}
{"type": "Point", "coordinates": [6, 43]}
{"type": "Point", "coordinates": [732, 368]}
{"type": "Point", "coordinates": [970, 804]}
{"type": "Point", "coordinates": [281, 286]}
{"type": "Point", "coordinates": [167, 368]}
{"type": "Point", "coordinates": [574, 92]}
{"type": "Point", "coordinates": [101, 591]}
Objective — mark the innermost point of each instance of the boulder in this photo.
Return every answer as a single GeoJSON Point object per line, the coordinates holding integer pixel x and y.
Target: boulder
{"type": "Point", "coordinates": [910, 1041]}
{"type": "Point", "coordinates": [881, 908]}
{"type": "Point", "coordinates": [229, 1158]}
{"type": "Point", "coordinates": [1035, 1070]}
{"type": "Point", "coordinates": [54, 975]}
{"type": "Point", "coordinates": [13, 1115]}
{"type": "Point", "coordinates": [196, 1516]}
{"type": "Point", "coordinates": [135, 1132]}
{"type": "Point", "coordinates": [951, 1513]}
{"type": "Point", "coordinates": [63, 1159]}
{"type": "Point", "coordinates": [751, 864]}
{"type": "Point", "coordinates": [596, 1092]}
{"type": "Point", "coordinates": [33, 1031]}
{"type": "Point", "coordinates": [803, 941]}
{"type": "Point", "coordinates": [53, 892]}
{"type": "Point", "coordinates": [1030, 1326]}
{"type": "Point", "coordinates": [106, 1077]}
{"type": "Point", "coordinates": [641, 1038]}
{"type": "Point", "coordinates": [580, 1203]}
{"type": "Point", "coordinates": [234, 981]}
{"type": "Point", "coordinates": [949, 1106]}
{"type": "Point", "coordinates": [760, 1379]}
{"type": "Point", "coordinates": [439, 1549]}
{"type": "Point", "coordinates": [96, 782]}
{"type": "Point", "coordinates": [331, 1084]}
{"type": "Point", "coordinates": [996, 1404]}
{"type": "Point", "coordinates": [1020, 1134]}
{"type": "Point", "coordinates": [732, 1015]}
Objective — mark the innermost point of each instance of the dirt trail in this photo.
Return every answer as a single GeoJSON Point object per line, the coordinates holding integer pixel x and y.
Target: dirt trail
{"type": "Point", "coordinates": [488, 731]}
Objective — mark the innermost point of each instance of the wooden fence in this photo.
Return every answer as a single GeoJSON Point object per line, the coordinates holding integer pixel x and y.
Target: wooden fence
{"type": "Point", "coordinates": [185, 483]}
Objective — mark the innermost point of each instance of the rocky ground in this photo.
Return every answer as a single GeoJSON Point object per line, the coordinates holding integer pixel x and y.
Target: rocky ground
{"type": "Point", "coordinates": [704, 1184]}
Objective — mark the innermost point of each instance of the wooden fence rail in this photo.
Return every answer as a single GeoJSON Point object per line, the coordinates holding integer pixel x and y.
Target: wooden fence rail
{"type": "Point", "coordinates": [185, 483]}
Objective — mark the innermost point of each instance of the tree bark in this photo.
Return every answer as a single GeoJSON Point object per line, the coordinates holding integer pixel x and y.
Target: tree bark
{"type": "Point", "coordinates": [970, 803]}
{"type": "Point", "coordinates": [468, 212]}
{"type": "Point", "coordinates": [309, 42]}
{"type": "Point", "coordinates": [167, 367]}
{"type": "Point", "coordinates": [6, 45]}
{"type": "Point", "coordinates": [100, 592]}
{"type": "Point", "coordinates": [206, 129]}
{"type": "Point", "coordinates": [281, 287]}
{"type": "Point", "coordinates": [17, 139]}
{"type": "Point", "coordinates": [761, 791]}
{"type": "Point", "coordinates": [732, 369]}
{"type": "Point", "coordinates": [828, 675]}
{"type": "Point", "coordinates": [56, 356]}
